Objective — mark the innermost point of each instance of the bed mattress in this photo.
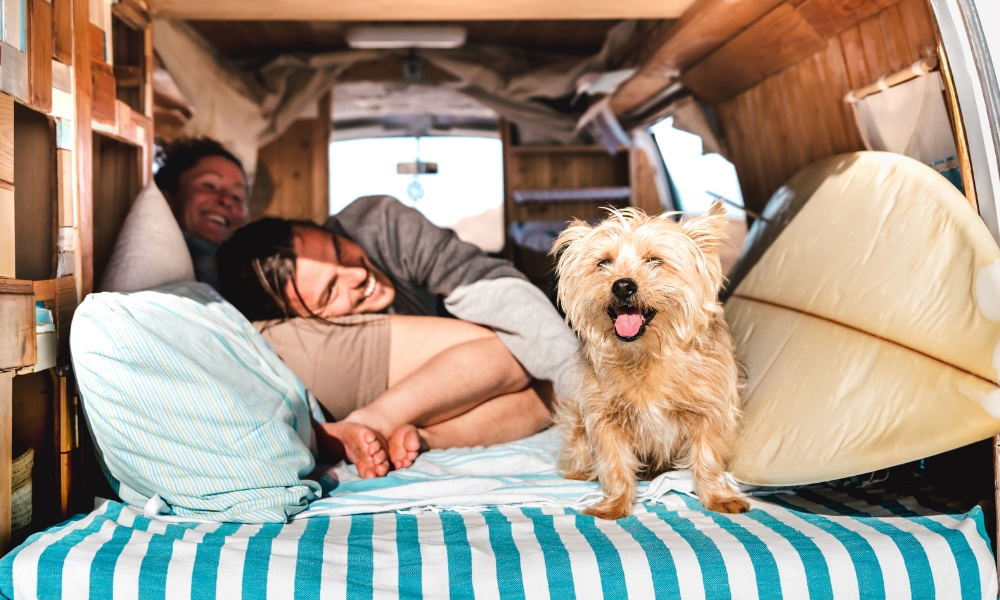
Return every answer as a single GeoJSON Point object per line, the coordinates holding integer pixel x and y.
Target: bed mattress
{"type": "Point", "coordinates": [818, 542]}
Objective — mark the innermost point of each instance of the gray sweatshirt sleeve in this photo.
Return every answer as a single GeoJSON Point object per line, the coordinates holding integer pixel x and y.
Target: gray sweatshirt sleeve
{"type": "Point", "coordinates": [412, 250]}
{"type": "Point", "coordinates": [526, 323]}
{"type": "Point", "coordinates": [477, 288]}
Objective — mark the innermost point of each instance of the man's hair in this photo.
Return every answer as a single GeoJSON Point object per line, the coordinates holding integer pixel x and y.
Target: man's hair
{"type": "Point", "coordinates": [257, 265]}
{"type": "Point", "coordinates": [180, 155]}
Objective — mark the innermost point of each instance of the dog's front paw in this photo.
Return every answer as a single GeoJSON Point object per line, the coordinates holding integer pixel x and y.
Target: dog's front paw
{"type": "Point", "coordinates": [730, 505]}
{"type": "Point", "coordinates": [611, 509]}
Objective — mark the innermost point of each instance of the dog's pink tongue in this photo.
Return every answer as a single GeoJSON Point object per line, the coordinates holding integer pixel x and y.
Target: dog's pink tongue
{"type": "Point", "coordinates": [628, 323]}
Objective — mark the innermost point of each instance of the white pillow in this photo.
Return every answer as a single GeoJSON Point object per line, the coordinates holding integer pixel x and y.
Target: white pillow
{"type": "Point", "coordinates": [187, 402]}
{"type": "Point", "coordinates": [150, 250]}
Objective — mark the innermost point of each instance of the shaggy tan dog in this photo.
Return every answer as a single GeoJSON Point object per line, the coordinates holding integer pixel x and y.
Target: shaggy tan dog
{"type": "Point", "coordinates": [659, 388]}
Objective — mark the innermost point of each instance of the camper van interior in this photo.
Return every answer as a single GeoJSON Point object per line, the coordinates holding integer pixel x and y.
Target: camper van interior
{"type": "Point", "coordinates": [852, 143]}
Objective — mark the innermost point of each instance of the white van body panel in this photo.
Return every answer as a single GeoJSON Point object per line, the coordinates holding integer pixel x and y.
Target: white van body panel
{"type": "Point", "coordinates": [970, 31]}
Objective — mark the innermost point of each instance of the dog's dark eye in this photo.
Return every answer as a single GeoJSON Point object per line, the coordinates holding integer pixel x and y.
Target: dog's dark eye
{"type": "Point", "coordinates": [603, 263]}
{"type": "Point", "coordinates": [654, 261]}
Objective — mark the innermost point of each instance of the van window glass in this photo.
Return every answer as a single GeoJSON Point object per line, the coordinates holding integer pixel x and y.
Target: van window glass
{"type": "Point", "coordinates": [466, 194]}
{"type": "Point", "coordinates": [696, 179]}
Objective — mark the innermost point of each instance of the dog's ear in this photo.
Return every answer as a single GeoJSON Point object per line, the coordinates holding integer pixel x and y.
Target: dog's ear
{"type": "Point", "coordinates": [576, 231]}
{"type": "Point", "coordinates": [708, 230]}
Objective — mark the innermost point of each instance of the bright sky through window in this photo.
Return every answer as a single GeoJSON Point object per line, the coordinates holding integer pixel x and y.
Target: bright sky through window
{"type": "Point", "coordinates": [466, 194]}
{"type": "Point", "coordinates": [694, 174]}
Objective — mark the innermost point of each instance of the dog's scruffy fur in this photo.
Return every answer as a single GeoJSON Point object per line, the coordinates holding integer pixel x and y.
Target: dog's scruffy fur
{"type": "Point", "coordinates": [659, 390]}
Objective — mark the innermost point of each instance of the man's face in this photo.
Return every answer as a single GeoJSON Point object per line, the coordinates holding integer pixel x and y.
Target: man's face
{"type": "Point", "coordinates": [335, 278]}
{"type": "Point", "coordinates": [211, 199]}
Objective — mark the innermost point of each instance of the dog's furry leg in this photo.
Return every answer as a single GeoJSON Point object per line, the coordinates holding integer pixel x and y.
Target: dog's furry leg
{"type": "Point", "coordinates": [708, 465]}
{"type": "Point", "coordinates": [616, 470]}
{"type": "Point", "coordinates": [575, 460]}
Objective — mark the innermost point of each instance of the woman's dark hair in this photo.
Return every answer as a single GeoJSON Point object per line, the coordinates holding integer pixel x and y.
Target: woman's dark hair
{"type": "Point", "coordinates": [257, 264]}
{"type": "Point", "coordinates": [180, 155]}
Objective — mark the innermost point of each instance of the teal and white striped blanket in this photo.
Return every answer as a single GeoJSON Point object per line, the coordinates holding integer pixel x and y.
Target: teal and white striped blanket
{"type": "Point", "coordinates": [521, 473]}
{"type": "Point", "coordinates": [818, 543]}
{"type": "Point", "coordinates": [500, 523]}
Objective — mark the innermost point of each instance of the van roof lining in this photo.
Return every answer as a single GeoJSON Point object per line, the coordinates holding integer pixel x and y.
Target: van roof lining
{"type": "Point", "coordinates": [261, 39]}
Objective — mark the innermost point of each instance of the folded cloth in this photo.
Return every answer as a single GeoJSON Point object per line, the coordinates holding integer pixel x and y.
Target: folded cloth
{"type": "Point", "coordinates": [521, 473]}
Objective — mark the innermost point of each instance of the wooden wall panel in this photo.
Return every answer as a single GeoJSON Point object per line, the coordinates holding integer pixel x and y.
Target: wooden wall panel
{"type": "Point", "coordinates": [6, 436]}
{"type": "Point", "coordinates": [40, 54]}
{"type": "Point", "coordinates": [702, 29]}
{"type": "Point", "coordinates": [7, 234]}
{"type": "Point", "coordinates": [17, 326]}
{"type": "Point", "coordinates": [117, 181]}
{"type": "Point", "coordinates": [98, 41]}
{"type": "Point", "coordinates": [33, 425]}
{"type": "Point", "coordinates": [7, 138]}
{"type": "Point", "coordinates": [104, 106]}
{"type": "Point", "coordinates": [798, 116]}
{"type": "Point", "coordinates": [833, 16]}
{"type": "Point", "coordinates": [781, 38]}
{"type": "Point", "coordinates": [14, 74]}
{"type": "Point", "coordinates": [298, 166]}
{"type": "Point", "coordinates": [34, 196]}
{"type": "Point", "coordinates": [84, 145]}
{"type": "Point", "coordinates": [62, 31]}
{"type": "Point", "coordinates": [563, 167]}
{"type": "Point", "coordinates": [642, 179]}
{"type": "Point", "coordinates": [64, 188]}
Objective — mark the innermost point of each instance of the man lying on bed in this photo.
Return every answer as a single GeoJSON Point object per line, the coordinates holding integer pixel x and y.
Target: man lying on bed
{"type": "Point", "coordinates": [395, 383]}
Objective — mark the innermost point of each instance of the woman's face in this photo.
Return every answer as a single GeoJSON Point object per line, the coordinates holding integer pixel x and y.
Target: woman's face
{"type": "Point", "coordinates": [211, 199]}
{"type": "Point", "coordinates": [335, 278]}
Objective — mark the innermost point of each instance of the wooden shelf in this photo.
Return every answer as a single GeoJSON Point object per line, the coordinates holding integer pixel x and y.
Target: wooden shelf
{"type": "Point", "coordinates": [558, 149]}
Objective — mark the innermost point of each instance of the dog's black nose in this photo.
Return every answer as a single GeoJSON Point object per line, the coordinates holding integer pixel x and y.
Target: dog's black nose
{"type": "Point", "coordinates": [624, 289]}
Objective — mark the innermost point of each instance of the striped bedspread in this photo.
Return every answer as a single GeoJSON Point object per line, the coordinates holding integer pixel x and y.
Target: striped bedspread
{"type": "Point", "coordinates": [818, 543]}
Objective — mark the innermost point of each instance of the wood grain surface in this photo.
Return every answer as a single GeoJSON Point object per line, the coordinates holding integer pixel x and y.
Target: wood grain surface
{"type": "Point", "coordinates": [798, 116]}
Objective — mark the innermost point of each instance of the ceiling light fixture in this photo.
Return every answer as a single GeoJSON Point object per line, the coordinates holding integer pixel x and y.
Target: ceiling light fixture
{"type": "Point", "coordinates": [419, 36]}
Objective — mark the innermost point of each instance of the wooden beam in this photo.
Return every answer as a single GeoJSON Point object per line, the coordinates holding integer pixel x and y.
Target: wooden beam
{"type": "Point", "coordinates": [706, 26]}
{"type": "Point", "coordinates": [13, 25]}
{"type": "Point", "coordinates": [778, 40]}
{"type": "Point", "coordinates": [830, 17]}
{"type": "Point", "coordinates": [62, 31]}
{"type": "Point", "coordinates": [84, 146]}
{"type": "Point", "coordinates": [8, 267]}
{"type": "Point", "coordinates": [14, 74]}
{"type": "Point", "coordinates": [321, 159]}
{"type": "Point", "coordinates": [6, 139]}
{"type": "Point", "coordinates": [418, 10]}
{"type": "Point", "coordinates": [105, 109]}
{"type": "Point", "coordinates": [98, 42]}
{"type": "Point", "coordinates": [134, 15]}
{"type": "Point", "coordinates": [40, 54]}
{"type": "Point", "coordinates": [64, 187]}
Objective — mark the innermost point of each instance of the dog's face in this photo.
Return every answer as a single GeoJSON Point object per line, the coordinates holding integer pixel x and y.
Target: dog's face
{"type": "Point", "coordinates": [635, 282]}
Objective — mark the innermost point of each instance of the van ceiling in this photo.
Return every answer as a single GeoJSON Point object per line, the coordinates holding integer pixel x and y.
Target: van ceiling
{"type": "Point", "coordinates": [371, 99]}
{"type": "Point", "coordinates": [246, 39]}
{"type": "Point", "coordinates": [421, 10]}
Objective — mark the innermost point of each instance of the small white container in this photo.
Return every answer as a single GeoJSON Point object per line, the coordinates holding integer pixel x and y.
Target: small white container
{"type": "Point", "coordinates": [45, 339]}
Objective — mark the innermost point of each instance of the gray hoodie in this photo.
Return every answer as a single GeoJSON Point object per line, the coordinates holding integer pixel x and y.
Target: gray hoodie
{"type": "Point", "coordinates": [425, 261]}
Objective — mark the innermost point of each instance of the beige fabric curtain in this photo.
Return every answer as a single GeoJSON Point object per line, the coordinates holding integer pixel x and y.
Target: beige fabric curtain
{"type": "Point", "coordinates": [245, 110]}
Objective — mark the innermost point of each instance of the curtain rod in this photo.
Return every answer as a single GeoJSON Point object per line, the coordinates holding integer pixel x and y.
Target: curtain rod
{"type": "Point", "coordinates": [917, 69]}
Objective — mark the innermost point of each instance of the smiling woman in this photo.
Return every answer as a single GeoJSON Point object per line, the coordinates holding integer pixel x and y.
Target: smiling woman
{"type": "Point", "coordinates": [206, 188]}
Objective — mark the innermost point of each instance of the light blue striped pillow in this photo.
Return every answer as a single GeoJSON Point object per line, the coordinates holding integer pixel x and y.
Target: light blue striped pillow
{"type": "Point", "coordinates": [187, 401]}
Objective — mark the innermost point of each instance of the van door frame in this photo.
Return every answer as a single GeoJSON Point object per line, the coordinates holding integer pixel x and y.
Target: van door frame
{"type": "Point", "coordinates": [975, 78]}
